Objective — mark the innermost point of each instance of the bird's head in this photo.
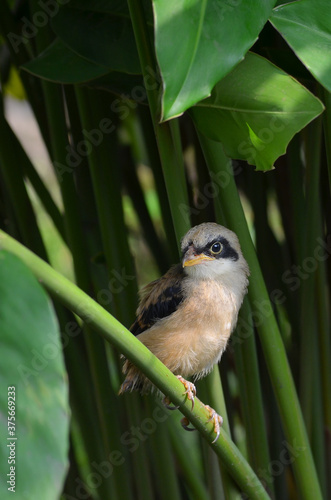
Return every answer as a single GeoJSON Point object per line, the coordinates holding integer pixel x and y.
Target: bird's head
{"type": "Point", "coordinates": [211, 251]}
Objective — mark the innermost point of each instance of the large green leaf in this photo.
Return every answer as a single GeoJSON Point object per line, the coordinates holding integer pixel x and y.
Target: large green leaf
{"type": "Point", "coordinates": [255, 111]}
{"type": "Point", "coordinates": [100, 37]}
{"type": "Point", "coordinates": [199, 42]}
{"type": "Point", "coordinates": [31, 362]}
{"type": "Point", "coordinates": [306, 27]}
{"type": "Point", "coordinates": [59, 64]}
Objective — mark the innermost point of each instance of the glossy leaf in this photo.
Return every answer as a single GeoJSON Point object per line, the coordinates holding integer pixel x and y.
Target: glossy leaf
{"type": "Point", "coordinates": [59, 64]}
{"type": "Point", "coordinates": [99, 37]}
{"type": "Point", "coordinates": [306, 27]}
{"type": "Point", "coordinates": [199, 42]}
{"type": "Point", "coordinates": [31, 362]}
{"type": "Point", "coordinates": [255, 111]}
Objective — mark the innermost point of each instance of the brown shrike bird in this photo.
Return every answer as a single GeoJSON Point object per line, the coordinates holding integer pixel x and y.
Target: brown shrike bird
{"type": "Point", "coordinates": [186, 317]}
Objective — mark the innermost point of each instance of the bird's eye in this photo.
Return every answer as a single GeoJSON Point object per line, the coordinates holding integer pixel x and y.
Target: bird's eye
{"type": "Point", "coordinates": [216, 248]}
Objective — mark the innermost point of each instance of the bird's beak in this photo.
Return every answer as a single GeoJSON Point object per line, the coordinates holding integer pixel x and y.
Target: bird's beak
{"type": "Point", "coordinates": [191, 259]}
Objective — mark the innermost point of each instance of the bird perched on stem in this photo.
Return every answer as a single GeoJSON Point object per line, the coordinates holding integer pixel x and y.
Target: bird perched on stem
{"type": "Point", "coordinates": [186, 317]}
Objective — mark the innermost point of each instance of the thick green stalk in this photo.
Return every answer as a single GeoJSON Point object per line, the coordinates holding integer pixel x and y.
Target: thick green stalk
{"type": "Point", "coordinates": [322, 290]}
{"type": "Point", "coordinates": [250, 391]}
{"type": "Point", "coordinates": [327, 130]}
{"type": "Point", "coordinates": [192, 474]}
{"type": "Point", "coordinates": [323, 301]}
{"type": "Point", "coordinates": [107, 191]}
{"type": "Point", "coordinates": [141, 471]}
{"type": "Point", "coordinates": [308, 327]}
{"type": "Point", "coordinates": [269, 334]}
{"type": "Point", "coordinates": [163, 463]}
{"type": "Point", "coordinates": [212, 391]}
{"type": "Point", "coordinates": [155, 164]}
{"type": "Point", "coordinates": [59, 142]}
{"type": "Point", "coordinates": [114, 332]}
{"type": "Point", "coordinates": [136, 194]}
{"type": "Point", "coordinates": [309, 349]}
{"type": "Point", "coordinates": [82, 394]}
{"type": "Point", "coordinates": [167, 134]}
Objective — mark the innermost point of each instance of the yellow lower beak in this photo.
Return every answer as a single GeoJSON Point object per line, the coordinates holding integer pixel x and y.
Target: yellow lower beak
{"type": "Point", "coordinates": [196, 260]}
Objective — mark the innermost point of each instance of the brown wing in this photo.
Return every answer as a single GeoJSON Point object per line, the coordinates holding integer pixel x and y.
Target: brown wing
{"type": "Point", "coordinates": [159, 299]}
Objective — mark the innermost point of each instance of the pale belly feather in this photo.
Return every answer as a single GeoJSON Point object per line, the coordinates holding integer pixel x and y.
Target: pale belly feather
{"type": "Point", "coordinates": [192, 340]}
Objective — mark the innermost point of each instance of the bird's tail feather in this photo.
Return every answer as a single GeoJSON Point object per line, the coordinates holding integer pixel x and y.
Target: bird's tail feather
{"type": "Point", "coordinates": [134, 380]}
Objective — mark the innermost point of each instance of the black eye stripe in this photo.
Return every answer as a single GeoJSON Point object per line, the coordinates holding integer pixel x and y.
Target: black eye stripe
{"type": "Point", "coordinates": [227, 253]}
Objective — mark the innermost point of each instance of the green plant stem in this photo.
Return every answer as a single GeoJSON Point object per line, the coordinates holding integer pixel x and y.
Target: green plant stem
{"type": "Point", "coordinates": [269, 334]}
{"type": "Point", "coordinates": [28, 169]}
{"type": "Point", "coordinates": [323, 301]}
{"type": "Point", "coordinates": [167, 134]}
{"type": "Point", "coordinates": [82, 392]}
{"type": "Point", "coordinates": [14, 183]}
{"type": "Point", "coordinates": [163, 467]}
{"type": "Point", "coordinates": [251, 393]}
{"type": "Point", "coordinates": [192, 475]}
{"type": "Point", "coordinates": [142, 476]}
{"type": "Point", "coordinates": [212, 391]}
{"type": "Point", "coordinates": [310, 377]}
{"type": "Point", "coordinates": [308, 327]}
{"type": "Point", "coordinates": [136, 194]}
{"type": "Point", "coordinates": [327, 130]}
{"type": "Point", "coordinates": [114, 332]}
{"type": "Point", "coordinates": [155, 164]}
{"type": "Point", "coordinates": [107, 190]}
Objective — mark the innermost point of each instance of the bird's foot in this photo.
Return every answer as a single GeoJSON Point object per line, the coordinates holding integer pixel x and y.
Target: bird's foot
{"type": "Point", "coordinates": [216, 419]}
{"type": "Point", "coordinates": [191, 391]}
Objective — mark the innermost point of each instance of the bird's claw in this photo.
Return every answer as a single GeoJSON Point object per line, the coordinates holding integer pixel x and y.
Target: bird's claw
{"type": "Point", "coordinates": [191, 391]}
{"type": "Point", "coordinates": [167, 403]}
{"type": "Point", "coordinates": [185, 423]}
{"type": "Point", "coordinates": [217, 420]}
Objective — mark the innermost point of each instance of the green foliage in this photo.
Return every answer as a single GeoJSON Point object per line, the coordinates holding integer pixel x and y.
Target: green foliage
{"type": "Point", "coordinates": [151, 114]}
{"type": "Point", "coordinates": [204, 38]}
{"type": "Point", "coordinates": [306, 27]}
{"type": "Point", "coordinates": [260, 108]}
{"type": "Point", "coordinates": [32, 370]}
